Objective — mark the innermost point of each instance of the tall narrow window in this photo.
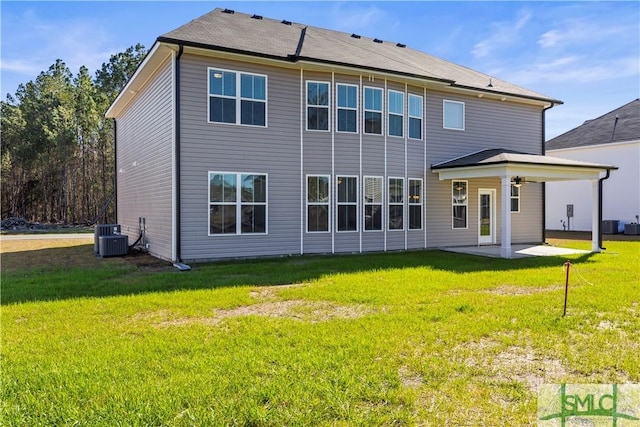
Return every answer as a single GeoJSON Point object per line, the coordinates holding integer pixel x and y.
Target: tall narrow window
{"type": "Point", "coordinates": [347, 108]}
{"type": "Point", "coordinates": [373, 110]}
{"type": "Point", "coordinates": [317, 203]}
{"type": "Point", "coordinates": [453, 115]}
{"type": "Point", "coordinates": [372, 203]}
{"type": "Point", "coordinates": [415, 117]}
{"type": "Point", "coordinates": [253, 204]}
{"type": "Point", "coordinates": [237, 203]}
{"type": "Point", "coordinates": [396, 203]}
{"type": "Point", "coordinates": [226, 105]}
{"type": "Point", "coordinates": [222, 96]}
{"type": "Point", "coordinates": [347, 203]}
{"type": "Point", "coordinates": [253, 95]}
{"type": "Point", "coordinates": [317, 106]}
{"type": "Point", "coordinates": [396, 113]}
{"type": "Point", "coordinates": [415, 204]}
{"type": "Point", "coordinates": [459, 204]}
{"type": "Point", "coordinates": [515, 199]}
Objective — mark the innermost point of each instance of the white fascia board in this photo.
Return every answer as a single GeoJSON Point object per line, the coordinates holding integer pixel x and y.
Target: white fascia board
{"type": "Point", "coordinates": [534, 172]}
{"type": "Point", "coordinates": [587, 147]}
{"type": "Point", "coordinates": [143, 73]}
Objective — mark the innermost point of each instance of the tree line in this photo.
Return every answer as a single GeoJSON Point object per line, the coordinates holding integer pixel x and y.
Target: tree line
{"type": "Point", "coordinates": [57, 160]}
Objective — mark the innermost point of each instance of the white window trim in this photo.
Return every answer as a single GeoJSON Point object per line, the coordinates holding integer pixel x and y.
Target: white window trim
{"type": "Point", "coordinates": [511, 197]}
{"type": "Point", "coordinates": [389, 113]}
{"type": "Point", "coordinates": [348, 108]}
{"type": "Point", "coordinates": [238, 204]}
{"type": "Point", "coordinates": [421, 204]}
{"type": "Point", "coordinates": [421, 117]}
{"type": "Point", "coordinates": [238, 98]}
{"type": "Point", "coordinates": [403, 203]}
{"type": "Point", "coordinates": [466, 203]}
{"type": "Point", "coordinates": [328, 107]}
{"type": "Point", "coordinates": [365, 204]}
{"type": "Point", "coordinates": [339, 203]}
{"type": "Point", "coordinates": [328, 204]}
{"type": "Point", "coordinates": [444, 102]}
{"type": "Point", "coordinates": [381, 111]}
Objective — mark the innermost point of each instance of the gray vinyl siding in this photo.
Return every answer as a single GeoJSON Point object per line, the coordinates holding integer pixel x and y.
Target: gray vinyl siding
{"type": "Point", "coordinates": [488, 124]}
{"type": "Point", "coordinates": [274, 150]}
{"type": "Point", "coordinates": [144, 161]}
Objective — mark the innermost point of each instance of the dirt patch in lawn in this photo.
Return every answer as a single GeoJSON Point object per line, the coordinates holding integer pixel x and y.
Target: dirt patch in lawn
{"type": "Point", "coordinates": [517, 290]}
{"type": "Point", "coordinates": [306, 311]}
{"type": "Point", "coordinates": [146, 262]}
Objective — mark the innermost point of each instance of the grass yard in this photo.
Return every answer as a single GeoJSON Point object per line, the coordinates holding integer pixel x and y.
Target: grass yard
{"type": "Point", "coordinates": [416, 338]}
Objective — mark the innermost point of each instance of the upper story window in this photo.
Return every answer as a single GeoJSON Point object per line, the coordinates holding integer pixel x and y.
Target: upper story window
{"type": "Point", "coordinates": [373, 110]}
{"type": "Point", "coordinates": [396, 113]}
{"type": "Point", "coordinates": [317, 105]}
{"type": "Point", "coordinates": [237, 203]}
{"type": "Point", "coordinates": [227, 104]}
{"type": "Point", "coordinates": [453, 115]}
{"type": "Point", "coordinates": [347, 106]}
{"type": "Point", "coordinates": [415, 116]}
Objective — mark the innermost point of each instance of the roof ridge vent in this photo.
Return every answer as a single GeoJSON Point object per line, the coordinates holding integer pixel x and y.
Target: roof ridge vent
{"type": "Point", "coordinates": [377, 41]}
{"type": "Point", "coordinates": [258, 17]}
{"type": "Point", "coordinates": [356, 36]}
{"type": "Point", "coordinates": [229, 11]}
{"type": "Point", "coordinates": [401, 45]}
{"type": "Point", "coordinates": [285, 22]}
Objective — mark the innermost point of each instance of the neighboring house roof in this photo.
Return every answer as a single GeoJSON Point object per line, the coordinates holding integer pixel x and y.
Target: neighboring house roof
{"type": "Point", "coordinates": [502, 156]}
{"type": "Point", "coordinates": [619, 125]}
{"type": "Point", "coordinates": [229, 31]}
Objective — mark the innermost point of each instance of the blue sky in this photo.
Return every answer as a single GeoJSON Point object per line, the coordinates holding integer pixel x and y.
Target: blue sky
{"type": "Point", "coordinates": [586, 54]}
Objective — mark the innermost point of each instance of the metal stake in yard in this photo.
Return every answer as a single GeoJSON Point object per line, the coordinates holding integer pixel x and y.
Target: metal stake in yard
{"type": "Point", "coordinates": [566, 287]}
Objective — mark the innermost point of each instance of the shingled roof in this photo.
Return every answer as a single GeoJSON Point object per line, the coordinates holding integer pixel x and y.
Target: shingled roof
{"type": "Point", "coordinates": [230, 31]}
{"type": "Point", "coordinates": [619, 125]}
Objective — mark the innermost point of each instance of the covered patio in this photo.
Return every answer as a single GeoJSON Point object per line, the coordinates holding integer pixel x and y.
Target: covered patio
{"type": "Point", "coordinates": [516, 168]}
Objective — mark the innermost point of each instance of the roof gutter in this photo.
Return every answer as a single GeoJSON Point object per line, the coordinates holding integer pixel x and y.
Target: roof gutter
{"type": "Point", "coordinates": [544, 184]}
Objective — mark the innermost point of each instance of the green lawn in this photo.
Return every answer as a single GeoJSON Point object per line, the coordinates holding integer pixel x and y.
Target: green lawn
{"type": "Point", "coordinates": [424, 337]}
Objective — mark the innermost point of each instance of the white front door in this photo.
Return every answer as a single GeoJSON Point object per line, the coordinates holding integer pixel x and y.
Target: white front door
{"type": "Point", "coordinates": [486, 216]}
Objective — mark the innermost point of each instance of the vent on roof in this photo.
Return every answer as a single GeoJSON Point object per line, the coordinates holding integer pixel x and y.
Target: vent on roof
{"type": "Point", "coordinates": [377, 41]}
{"type": "Point", "coordinates": [285, 22]}
{"type": "Point", "coordinates": [401, 45]}
{"type": "Point", "coordinates": [256, 17]}
{"type": "Point", "coordinates": [355, 36]}
{"type": "Point", "coordinates": [229, 11]}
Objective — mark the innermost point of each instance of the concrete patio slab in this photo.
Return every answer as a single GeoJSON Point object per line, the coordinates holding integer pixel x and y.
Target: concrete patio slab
{"type": "Point", "coordinates": [517, 251]}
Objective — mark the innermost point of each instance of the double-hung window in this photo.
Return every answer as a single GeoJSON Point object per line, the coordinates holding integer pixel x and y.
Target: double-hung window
{"type": "Point", "coordinates": [515, 199]}
{"type": "Point", "coordinates": [415, 204]}
{"type": "Point", "coordinates": [396, 113]}
{"type": "Point", "coordinates": [459, 204]}
{"type": "Point", "coordinates": [317, 203]}
{"type": "Point", "coordinates": [317, 105]}
{"type": "Point", "coordinates": [237, 203]}
{"type": "Point", "coordinates": [372, 203]}
{"type": "Point", "coordinates": [415, 116]}
{"type": "Point", "coordinates": [453, 115]}
{"type": "Point", "coordinates": [347, 106]}
{"type": "Point", "coordinates": [227, 104]}
{"type": "Point", "coordinates": [396, 203]}
{"type": "Point", "coordinates": [347, 203]}
{"type": "Point", "coordinates": [373, 110]}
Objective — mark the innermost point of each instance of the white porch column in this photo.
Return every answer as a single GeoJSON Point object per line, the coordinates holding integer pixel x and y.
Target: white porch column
{"type": "Point", "coordinates": [595, 220]}
{"type": "Point", "coordinates": [505, 209]}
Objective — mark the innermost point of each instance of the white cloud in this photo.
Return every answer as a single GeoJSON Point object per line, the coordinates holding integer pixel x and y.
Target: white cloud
{"type": "Point", "coordinates": [20, 66]}
{"type": "Point", "coordinates": [504, 33]}
{"type": "Point", "coordinates": [579, 31]}
{"type": "Point", "coordinates": [365, 20]}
